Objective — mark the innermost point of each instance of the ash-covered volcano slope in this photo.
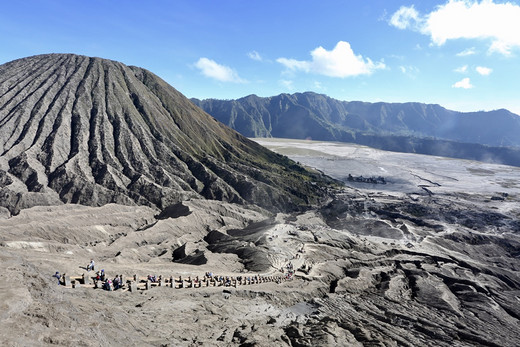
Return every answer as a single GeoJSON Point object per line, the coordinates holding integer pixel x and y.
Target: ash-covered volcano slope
{"type": "Point", "coordinates": [75, 129]}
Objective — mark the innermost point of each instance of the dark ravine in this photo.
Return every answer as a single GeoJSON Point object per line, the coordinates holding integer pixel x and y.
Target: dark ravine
{"type": "Point", "coordinates": [93, 131]}
{"type": "Point", "coordinates": [402, 127]}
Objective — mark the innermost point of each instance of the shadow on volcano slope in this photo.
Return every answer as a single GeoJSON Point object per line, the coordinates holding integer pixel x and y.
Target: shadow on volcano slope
{"type": "Point", "coordinates": [249, 244]}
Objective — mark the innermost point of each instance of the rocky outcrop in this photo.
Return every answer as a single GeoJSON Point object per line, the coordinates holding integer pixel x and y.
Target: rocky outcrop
{"type": "Point", "coordinates": [93, 131]}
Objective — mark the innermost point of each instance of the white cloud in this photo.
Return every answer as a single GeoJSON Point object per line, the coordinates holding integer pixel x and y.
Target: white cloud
{"type": "Point", "coordinates": [466, 52]}
{"type": "Point", "coordinates": [484, 71]}
{"type": "Point", "coordinates": [339, 62]}
{"type": "Point", "coordinates": [464, 83]}
{"type": "Point", "coordinates": [255, 56]}
{"type": "Point", "coordinates": [405, 17]}
{"type": "Point", "coordinates": [462, 69]}
{"type": "Point", "coordinates": [466, 19]}
{"type": "Point", "coordinates": [222, 73]}
{"type": "Point", "coordinates": [293, 64]}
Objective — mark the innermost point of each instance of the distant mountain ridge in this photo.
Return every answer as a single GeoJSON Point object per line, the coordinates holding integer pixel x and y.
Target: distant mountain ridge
{"type": "Point", "coordinates": [403, 127]}
{"type": "Point", "coordinates": [76, 129]}
{"type": "Point", "coordinates": [320, 117]}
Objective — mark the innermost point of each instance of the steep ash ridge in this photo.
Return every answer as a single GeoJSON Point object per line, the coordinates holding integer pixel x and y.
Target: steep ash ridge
{"type": "Point", "coordinates": [75, 129]}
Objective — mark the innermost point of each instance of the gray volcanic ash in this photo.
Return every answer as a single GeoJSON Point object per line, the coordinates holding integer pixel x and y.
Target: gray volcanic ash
{"type": "Point", "coordinates": [430, 258]}
{"type": "Point", "coordinates": [93, 131]}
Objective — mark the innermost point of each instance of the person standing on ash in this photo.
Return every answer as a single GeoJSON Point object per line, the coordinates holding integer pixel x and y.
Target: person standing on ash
{"type": "Point", "coordinates": [90, 266]}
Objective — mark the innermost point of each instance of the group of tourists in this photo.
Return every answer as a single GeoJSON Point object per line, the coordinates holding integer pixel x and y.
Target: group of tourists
{"type": "Point", "coordinates": [101, 280]}
{"type": "Point", "coordinates": [290, 271]}
{"type": "Point", "coordinates": [227, 280]}
{"type": "Point", "coordinates": [154, 278]}
{"type": "Point", "coordinates": [111, 284]}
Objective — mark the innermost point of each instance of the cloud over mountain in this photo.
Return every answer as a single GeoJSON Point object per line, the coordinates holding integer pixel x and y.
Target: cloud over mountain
{"type": "Point", "coordinates": [464, 83]}
{"type": "Point", "coordinates": [222, 73]}
{"type": "Point", "coordinates": [341, 62]}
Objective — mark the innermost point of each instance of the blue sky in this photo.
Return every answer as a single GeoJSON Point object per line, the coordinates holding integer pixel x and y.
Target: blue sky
{"type": "Point", "coordinates": [463, 55]}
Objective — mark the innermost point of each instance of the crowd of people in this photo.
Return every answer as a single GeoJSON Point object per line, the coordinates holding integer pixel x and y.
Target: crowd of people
{"type": "Point", "coordinates": [227, 280]}
{"type": "Point", "coordinates": [101, 280]}
{"type": "Point", "coordinates": [290, 271]}
{"type": "Point", "coordinates": [112, 284]}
